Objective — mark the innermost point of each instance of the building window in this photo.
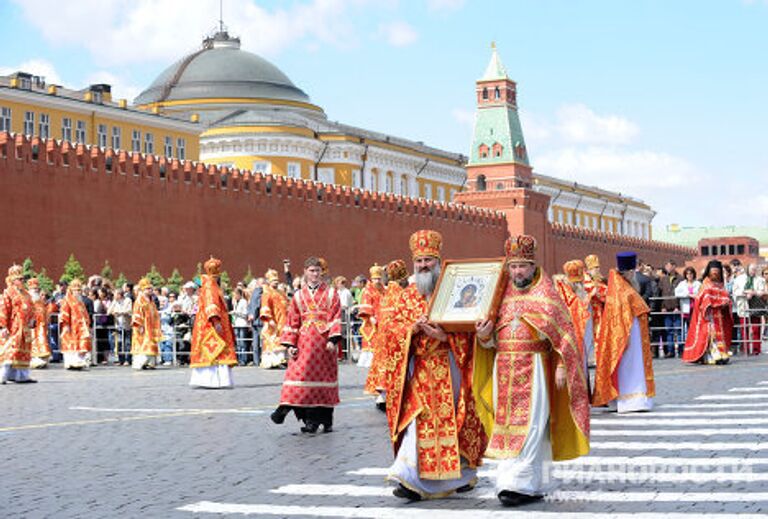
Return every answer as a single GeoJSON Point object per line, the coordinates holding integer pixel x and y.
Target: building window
{"type": "Point", "coordinates": [136, 141]}
{"type": "Point", "coordinates": [116, 137]}
{"type": "Point", "coordinates": [29, 123]}
{"type": "Point", "coordinates": [485, 94]}
{"type": "Point", "coordinates": [374, 181]}
{"type": "Point", "coordinates": [740, 249]}
{"type": "Point", "coordinates": [149, 143]}
{"type": "Point", "coordinates": [101, 135]}
{"type": "Point", "coordinates": [5, 119]}
{"type": "Point", "coordinates": [168, 147]}
{"type": "Point", "coordinates": [262, 166]}
{"type": "Point", "coordinates": [326, 175]}
{"type": "Point", "coordinates": [357, 179]}
{"type": "Point", "coordinates": [389, 183]}
{"type": "Point", "coordinates": [181, 148]}
{"type": "Point", "coordinates": [705, 250]}
{"type": "Point", "coordinates": [497, 93]}
{"type": "Point", "coordinates": [452, 195]}
{"type": "Point", "coordinates": [497, 150]}
{"type": "Point", "coordinates": [483, 151]}
{"type": "Point", "coordinates": [45, 126]}
{"type": "Point", "coordinates": [404, 185]}
{"type": "Point", "coordinates": [428, 191]}
{"type": "Point", "coordinates": [66, 129]}
{"type": "Point", "coordinates": [293, 169]}
{"type": "Point", "coordinates": [441, 193]}
{"type": "Point", "coordinates": [80, 132]}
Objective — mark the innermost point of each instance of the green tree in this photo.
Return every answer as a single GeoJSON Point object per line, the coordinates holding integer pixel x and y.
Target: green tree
{"type": "Point", "coordinates": [46, 283]}
{"type": "Point", "coordinates": [29, 268]}
{"type": "Point", "coordinates": [154, 277]}
{"type": "Point", "coordinates": [225, 281]}
{"type": "Point", "coordinates": [72, 270]}
{"type": "Point", "coordinates": [174, 281]}
{"type": "Point", "coordinates": [120, 281]}
{"type": "Point", "coordinates": [106, 270]}
{"type": "Point", "coordinates": [248, 276]}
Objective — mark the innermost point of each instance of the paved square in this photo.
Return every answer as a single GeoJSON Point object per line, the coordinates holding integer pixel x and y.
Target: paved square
{"type": "Point", "coordinates": [115, 442]}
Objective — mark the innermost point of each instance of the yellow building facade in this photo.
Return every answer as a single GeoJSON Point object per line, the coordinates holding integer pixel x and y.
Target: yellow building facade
{"type": "Point", "coordinates": [29, 106]}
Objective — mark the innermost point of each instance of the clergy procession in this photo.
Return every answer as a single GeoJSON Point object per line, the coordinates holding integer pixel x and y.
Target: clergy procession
{"type": "Point", "coordinates": [515, 385]}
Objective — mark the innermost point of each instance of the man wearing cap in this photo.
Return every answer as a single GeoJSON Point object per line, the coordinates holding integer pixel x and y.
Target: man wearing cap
{"type": "Point", "coordinates": [624, 372]}
{"type": "Point", "coordinates": [213, 339]}
{"type": "Point", "coordinates": [17, 321]}
{"type": "Point", "coordinates": [75, 326]}
{"type": "Point", "coordinates": [41, 350]}
{"type": "Point", "coordinates": [367, 311]}
{"type": "Point", "coordinates": [273, 313]}
{"type": "Point", "coordinates": [596, 287]}
{"type": "Point", "coordinates": [376, 384]}
{"type": "Point", "coordinates": [311, 335]}
{"type": "Point", "coordinates": [710, 332]}
{"type": "Point", "coordinates": [530, 381]}
{"type": "Point", "coordinates": [435, 431]}
{"type": "Point", "coordinates": [145, 325]}
{"type": "Point", "coordinates": [571, 290]}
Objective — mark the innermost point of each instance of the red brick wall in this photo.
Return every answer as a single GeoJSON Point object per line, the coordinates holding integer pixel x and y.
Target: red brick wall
{"type": "Point", "coordinates": [66, 201]}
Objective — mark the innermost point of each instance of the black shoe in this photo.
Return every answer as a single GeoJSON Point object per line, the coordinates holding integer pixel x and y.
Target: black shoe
{"type": "Point", "coordinates": [381, 406]}
{"type": "Point", "coordinates": [26, 381]}
{"type": "Point", "coordinates": [310, 427]}
{"type": "Point", "coordinates": [406, 493]}
{"type": "Point", "coordinates": [465, 488]}
{"type": "Point", "coordinates": [509, 498]}
{"type": "Point", "coordinates": [327, 428]}
{"type": "Point", "coordinates": [279, 414]}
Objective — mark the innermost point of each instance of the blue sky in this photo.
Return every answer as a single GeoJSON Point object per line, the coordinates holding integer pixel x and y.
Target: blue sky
{"type": "Point", "coordinates": [662, 100]}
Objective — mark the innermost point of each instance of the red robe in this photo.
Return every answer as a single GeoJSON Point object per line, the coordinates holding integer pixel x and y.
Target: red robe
{"type": "Point", "coordinates": [711, 322]}
{"type": "Point", "coordinates": [578, 309]}
{"type": "Point", "coordinates": [72, 313]}
{"type": "Point", "coordinates": [40, 347]}
{"type": "Point", "coordinates": [597, 292]}
{"type": "Point", "coordinates": [145, 316]}
{"type": "Point", "coordinates": [311, 379]}
{"type": "Point", "coordinates": [208, 347]}
{"type": "Point", "coordinates": [444, 431]}
{"type": "Point", "coordinates": [16, 314]}
{"type": "Point", "coordinates": [376, 380]}
{"type": "Point", "coordinates": [370, 300]}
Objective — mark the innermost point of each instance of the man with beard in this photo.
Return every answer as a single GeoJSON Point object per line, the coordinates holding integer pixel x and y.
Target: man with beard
{"type": "Point", "coordinates": [709, 335]}
{"type": "Point", "coordinates": [41, 350]}
{"type": "Point", "coordinates": [597, 288]}
{"type": "Point", "coordinates": [624, 373]}
{"type": "Point", "coordinates": [530, 381]}
{"type": "Point", "coordinates": [17, 320]}
{"type": "Point", "coordinates": [435, 431]}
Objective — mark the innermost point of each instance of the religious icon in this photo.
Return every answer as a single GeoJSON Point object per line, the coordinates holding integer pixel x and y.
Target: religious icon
{"type": "Point", "coordinates": [467, 291]}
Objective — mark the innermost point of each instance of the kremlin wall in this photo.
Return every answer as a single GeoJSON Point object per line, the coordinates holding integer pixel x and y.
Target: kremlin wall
{"type": "Point", "coordinates": [135, 211]}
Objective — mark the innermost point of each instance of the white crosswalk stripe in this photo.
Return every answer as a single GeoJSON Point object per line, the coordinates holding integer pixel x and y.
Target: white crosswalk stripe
{"type": "Point", "coordinates": [662, 457]}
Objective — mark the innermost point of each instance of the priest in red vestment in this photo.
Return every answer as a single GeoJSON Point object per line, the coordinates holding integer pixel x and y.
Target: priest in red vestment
{"type": "Point", "coordinates": [17, 321]}
{"type": "Point", "coordinates": [530, 381]}
{"type": "Point", "coordinates": [397, 280]}
{"type": "Point", "coordinates": [311, 334]}
{"type": "Point", "coordinates": [368, 310]}
{"type": "Point", "coordinates": [41, 350]}
{"type": "Point", "coordinates": [145, 323]}
{"type": "Point", "coordinates": [435, 430]}
{"type": "Point", "coordinates": [709, 335]}
{"type": "Point", "coordinates": [75, 326]}
{"type": "Point", "coordinates": [213, 339]}
{"type": "Point", "coordinates": [597, 288]}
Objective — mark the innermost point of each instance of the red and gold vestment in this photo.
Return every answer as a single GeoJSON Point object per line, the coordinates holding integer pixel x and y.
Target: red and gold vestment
{"type": "Point", "coordinates": [622, 305]}
{"type": "Point", "coordinates": [72, 314]}
{"type": "Point", "coordinates": [711, 322]}
{"type": "Point", "coordinates": [17, 314]}
{"type": "Point", "coordinates": [370, 300]}
{"type": "Point", "coordinates": [577, 308]}
{"type": "Point", "coordinates": [376, 380]}
{"type": "Point", "coordinates": [597, 290]}
{"type": "Point", "coordinates": [209, 348]}
{"type": "Point", "coordinates": [314, 317]}
{"type": "Point", "coordinates": [274, 311]}
{"type": "Point", "coordinates": [532, 321]}
{"type": "Point", "coordinates": [145, 323]}
{"type": "Point", "coordinates": [40, 347]}
{"type": "Point", "coordinates": [446, 430]}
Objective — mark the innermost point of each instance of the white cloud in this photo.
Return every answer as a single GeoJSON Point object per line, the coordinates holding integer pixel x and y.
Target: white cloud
{"type": "Point", "coordinates": [37, 67]}
{"type": "Point", "coordinates": [579, 124]}
{"type": "Point", "coordinates": [464, 117]}
{"type": "Point", "coordinates": [398, 33]}
{"type": "Point", "coordinates": [163, 30]}
{"type": "Point", "coordinates": [445, 5]}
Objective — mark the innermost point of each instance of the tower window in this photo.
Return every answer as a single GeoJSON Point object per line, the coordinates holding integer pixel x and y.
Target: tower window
{"type": "Point", "coordinates": [481, 183]}
{"type": "Point", "coordinates": [485, 94]}
{"type": "Point", "coordinates": [497, 93]}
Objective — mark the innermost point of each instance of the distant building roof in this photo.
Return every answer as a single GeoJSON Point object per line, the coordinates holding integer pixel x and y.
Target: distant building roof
{"type": "Point", "coordinates": [690, 236]}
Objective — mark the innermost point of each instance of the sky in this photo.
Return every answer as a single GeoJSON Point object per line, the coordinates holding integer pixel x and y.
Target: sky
{"type": "Point", "coordinates": [661, 100]}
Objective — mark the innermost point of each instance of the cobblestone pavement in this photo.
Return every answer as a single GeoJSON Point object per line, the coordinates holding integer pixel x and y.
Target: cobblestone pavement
{"type": "Point", "coordinates": [112, 442]}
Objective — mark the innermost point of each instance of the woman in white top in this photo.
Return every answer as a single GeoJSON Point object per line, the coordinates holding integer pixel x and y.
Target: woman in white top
{"type": "Point", "coordinates": [686, 291]}
{"type": "Point", "coordinates": [240, 324]}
